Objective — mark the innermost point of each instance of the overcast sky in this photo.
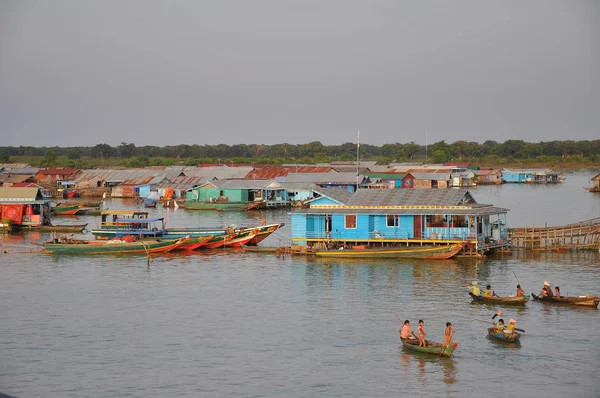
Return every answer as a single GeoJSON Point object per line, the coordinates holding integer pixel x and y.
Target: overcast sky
{"type": "Point", "coordinates": [80, 73]}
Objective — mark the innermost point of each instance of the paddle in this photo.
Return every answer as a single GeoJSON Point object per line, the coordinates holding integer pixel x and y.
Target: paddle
{"type": "Point", "coordinates": [492, 323]}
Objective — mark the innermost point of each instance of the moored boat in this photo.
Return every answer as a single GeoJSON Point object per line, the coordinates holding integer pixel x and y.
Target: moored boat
{"type": "Point", "coordinates": [194, 243]}
{"type": "Point", "coordinates": [263, 232]}
{"type": "Point", "coordinates": [508, 300]}
{"type": "Point", "coordinates": [431, 347]}
{"type": "Point", "coordinates": [503, 336]}
{"type": "Point", "coordinates": [67, 210]}
{"type": "Point", "coordinates": [426, 252]}
{"type": "Point", "coordinates": [581, 300]}
{"type": "Point", "coordinates": [222, 205]}
{"type": "Point", "coordinates": [77, 246]}
{"type": "Point", "coordinates": [63, 228]}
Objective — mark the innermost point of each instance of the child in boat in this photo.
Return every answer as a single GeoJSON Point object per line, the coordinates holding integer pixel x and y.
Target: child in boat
{"type": "Point", "coordinates": [488, 291]}
{"type": "Point", "coordinates": [520, 292]}
{"type": "Point", "coordinates": [448, 334]}
{"type": "Point", "coordinates": [510, 329]}
{"type": "Point", "coordinates": [556, 291]}
{"type": "Point", "coordinates": [406, 332]}
{"type": "Point", "coordinates": [499, 327]}
{"type": "Point", "coordinates": [422, 334]}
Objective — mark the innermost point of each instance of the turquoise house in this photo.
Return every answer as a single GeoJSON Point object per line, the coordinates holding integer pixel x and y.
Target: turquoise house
{"type": "Point", "coordinates": [411, 216]}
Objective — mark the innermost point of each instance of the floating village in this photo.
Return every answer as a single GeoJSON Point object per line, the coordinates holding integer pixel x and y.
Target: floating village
{"type": "Point", "coordinates": [345, 210]}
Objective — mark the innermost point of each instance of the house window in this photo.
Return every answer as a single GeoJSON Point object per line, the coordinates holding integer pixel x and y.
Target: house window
{"type": "Point", "coordinates": [350, 221]}
{"type": "Point", "coordinates": [393, 220]}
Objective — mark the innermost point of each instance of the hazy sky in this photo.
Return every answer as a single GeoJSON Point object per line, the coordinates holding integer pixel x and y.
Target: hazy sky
{"type": "Point", "coordinates": [80, 73]}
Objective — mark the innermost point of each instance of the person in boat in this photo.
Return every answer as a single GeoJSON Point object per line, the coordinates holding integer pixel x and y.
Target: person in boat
{"type": "Point", "coordinates": [474, 288]}
{"type": "Point", "coordinates": [557, 291]}
{"type": "Point", "coordinates": [510, 329]}
{"type": "Point", "coordinates": [422, 334]}
{"type": "Point", "coordinates": [499, 327]}
{"type": "Point", "coordinates": [406, 332]}
{"type": "Point", "coordinates": [520, 292]}
{"type": "Point", "coordinates": [489, 292]}
{"type": "Point", "coordinates": [546, 290]}
{"type": "Point", "coordinates": [448, 333]}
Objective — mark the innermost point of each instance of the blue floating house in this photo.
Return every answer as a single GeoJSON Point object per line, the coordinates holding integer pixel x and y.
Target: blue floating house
{"type": "Point", "coordinates": [532, 176]}
{"type": "Point", "coordinates": [393, 216]}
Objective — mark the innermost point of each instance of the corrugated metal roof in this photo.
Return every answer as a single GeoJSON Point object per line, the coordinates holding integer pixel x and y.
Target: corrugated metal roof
{"type": "Point", "coordinates": [431, 176]}
{"type": "Point", "coordinates": [247, 184]}
{"type": "Point", "coordinates": [300, 186]}
{"type": "Point", "coordinates": [272, 172]}
{"type": "Point", "coordinates": [8, 166]}
{"type": "Point", "coordinates": [337, 194]}
{"type": "Point", "coordinates": [529, 171]}
{"type": "Point", "coordinates": [410, 197]}
{"type": "Point", "coordinates": [65, 171]}
{"type": "Point", "coordinates": [25, 170]}
{"type": "Point", "coordinates": [325, 178]}
{"type": "Point", "coordinates": [477, 210]}
{"type": "Point", "coordinates": [395, 176]}
{"type": "Point", "coordinates": [13, 178]}
{"type": "Point", "coordinates": [8, 194]}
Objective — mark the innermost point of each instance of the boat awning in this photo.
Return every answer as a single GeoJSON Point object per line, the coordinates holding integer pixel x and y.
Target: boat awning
{"type": "Point", "coordinates": [139, 220]}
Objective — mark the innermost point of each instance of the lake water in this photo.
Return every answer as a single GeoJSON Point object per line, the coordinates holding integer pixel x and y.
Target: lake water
{"type": "Point", "coordinates": [229, 323]}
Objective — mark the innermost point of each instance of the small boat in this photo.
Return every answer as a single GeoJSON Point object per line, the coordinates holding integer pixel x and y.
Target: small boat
{"type": "Point", "coordinates": [507, 337]}
{"type": "Point", "coordinates": [67, 210]}
{"type": "Point", "coordinates": [78, 246]}
{"type": "Point", "coordinates": [581, 300]}
{"type": "Point", "coordinates": [63, 228]}
{"type": "Point", "coordinates": [218, 241]}
{"type": "Point", "coordinates": [426, 252]}
{"type": "Point", "coordinates": [431, 347]}
{"type": "Point", "coordinates": [508, 300]}
{"type": "Point", "coordinates": [222, 205]}
{"type": "Point", "coordinates": [241, 238]}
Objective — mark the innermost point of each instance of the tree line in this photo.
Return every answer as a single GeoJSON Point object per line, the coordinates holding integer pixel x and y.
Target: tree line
{"type": "Point", "coordinates": [312, 152]}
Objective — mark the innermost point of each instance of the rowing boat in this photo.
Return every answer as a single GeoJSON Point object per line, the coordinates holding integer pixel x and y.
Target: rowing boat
{"type": "Point", "coordinates": [509, 300]}
{"type": "Point", "coordinates": [503, 336]}
{"type": "Point", "coordinates": [431, 347]}
{"type": "Point", "coordinates": [581, 300]}
{"type": "Point", "coordinates": [77, 246]}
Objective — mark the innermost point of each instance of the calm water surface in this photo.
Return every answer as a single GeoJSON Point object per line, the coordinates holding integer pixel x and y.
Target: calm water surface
{"type": "Point", "coordinates": [228, 323]}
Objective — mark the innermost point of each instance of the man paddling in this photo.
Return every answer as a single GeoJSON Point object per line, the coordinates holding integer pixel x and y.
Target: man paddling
{"type": "Point", "coordinates": [546, 290]}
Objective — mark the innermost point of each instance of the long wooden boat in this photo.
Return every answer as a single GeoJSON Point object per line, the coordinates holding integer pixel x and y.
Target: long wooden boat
{"type": "Point", "coordinates": [507, 337]}
{"type": "Point", "coordinates": [509, 300]}
{"type": "Point", "coordinates": [63, 228]}
{"type": "Point", "coordinates": [217, 241]}
{"type": "Point", "coordinates": [241, 238]}
{"type": "Point", "coordinates": [592, 189]}
{"type": "Point", "coordinates": [67, 210]}
{"type": "Point", "coordinates": [581, 300]}
{"type": "Point", "coordinates": [263, 232]}
{"type": "Point", "coordinates": [222, 205]}
{"type": "Point", "coordinates": [431, 347]}
{"type": "Point", "coordinates": [194, 243]}
{"type": "Point", "coordinates": [76, 246]}
{"type": "Point", "coordinates": [428, 252]}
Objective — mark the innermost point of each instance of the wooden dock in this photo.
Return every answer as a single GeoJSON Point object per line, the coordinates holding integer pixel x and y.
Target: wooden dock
{"type": "Point", "coordinates": [584, 235]}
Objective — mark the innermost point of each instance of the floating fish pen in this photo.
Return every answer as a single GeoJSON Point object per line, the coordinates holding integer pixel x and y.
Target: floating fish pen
{"type": "Point", "coordinates": [584, 235]}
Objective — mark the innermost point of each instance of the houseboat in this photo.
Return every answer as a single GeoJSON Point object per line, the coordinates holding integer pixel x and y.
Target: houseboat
{"type": "Point", "coordinates": [23, 208]}
{"type": "Point", "coordinates": [531, 176]}
{"type": "Point", "coordinates": [393, 218]}
{"type": "Point", "coordinates": [596, 187]}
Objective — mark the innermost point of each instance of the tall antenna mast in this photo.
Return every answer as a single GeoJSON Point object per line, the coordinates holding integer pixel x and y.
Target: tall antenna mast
{"type": "Point", "coordinates": [357, 156]}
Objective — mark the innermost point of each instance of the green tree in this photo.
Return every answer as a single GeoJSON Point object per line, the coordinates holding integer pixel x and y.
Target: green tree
{"type": "Point", "coordinates": [102, 151]}
{"type": "Point", "coordinates": [49, 159]}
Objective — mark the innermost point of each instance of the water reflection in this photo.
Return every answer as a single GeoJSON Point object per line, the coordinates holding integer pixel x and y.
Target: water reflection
{"type": "Point", "coordinates": [428, 366]}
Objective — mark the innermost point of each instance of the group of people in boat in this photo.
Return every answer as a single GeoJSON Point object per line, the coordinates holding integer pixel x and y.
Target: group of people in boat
{"type": "Point", "coordinates": [488, 292]}
{"type": "Point", "coordinates": [547, 291]}
{"type": "Point", "coordinates": [407, 333]}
